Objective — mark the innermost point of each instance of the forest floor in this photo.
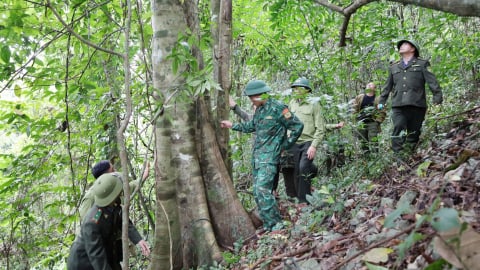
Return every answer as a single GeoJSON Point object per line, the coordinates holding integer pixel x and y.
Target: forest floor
{"type": "Point", "coordinates": [407, 219]}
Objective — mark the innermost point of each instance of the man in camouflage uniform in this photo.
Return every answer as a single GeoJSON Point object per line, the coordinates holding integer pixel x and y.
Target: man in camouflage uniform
{"type": "Point", "coordinates": [96, 246]}
{"type": "Point", "coordinates": [406, 80]}
{"type": "Point", "coordinates": [368, 118]}
{"type": "Point", "coordinates": [270, 122]}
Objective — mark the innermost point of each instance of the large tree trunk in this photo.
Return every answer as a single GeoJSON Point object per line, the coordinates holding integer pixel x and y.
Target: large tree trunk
{"type": "Point", "coordinates": [230, 220]}
{"type": "Point", "coordinates": [187, 152]}
{"type": "Point", "coordinates": [167, 252]}
{"type": "Point", "coordinates": [167, 23]}
{"type": "Point", "coordinates": [199, 243]}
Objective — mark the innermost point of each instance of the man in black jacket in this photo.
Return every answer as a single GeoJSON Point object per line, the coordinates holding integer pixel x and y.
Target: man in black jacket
{"type": "Point", "coordinates": [96, 246]}
{"type": "Point", "coordinates": [406, 80]}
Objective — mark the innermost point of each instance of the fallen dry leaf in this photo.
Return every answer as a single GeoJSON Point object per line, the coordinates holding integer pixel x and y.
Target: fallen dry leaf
{"type": "Point", "coordinates": [463, 253]}
{"type": "Point", "coordinates": [377, 255]}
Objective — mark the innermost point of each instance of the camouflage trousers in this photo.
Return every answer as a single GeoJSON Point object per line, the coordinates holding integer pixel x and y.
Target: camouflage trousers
{"type": "Point", "coordinates": [263, 178]}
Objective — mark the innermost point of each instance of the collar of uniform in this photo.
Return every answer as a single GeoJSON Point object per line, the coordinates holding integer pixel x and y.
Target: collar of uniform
{"type": "Point", "coordinates": [409, 63]}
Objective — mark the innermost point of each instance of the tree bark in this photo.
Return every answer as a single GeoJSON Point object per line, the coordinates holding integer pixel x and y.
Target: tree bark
{"type": "Point", "coordinates": [187, 153]}
{"type": "Point", "coordinates": [222, 56]}
{"type": "Point", "coordinates": [167, 23]}
{"type": "Point", "coordinates": [200, 246]}
{"type": "Point", "coordinates": [121, 137]}
{"type": "Point", "coordinates": [464, 8]}
{"type": "Point", "coordinates": [230, 220]}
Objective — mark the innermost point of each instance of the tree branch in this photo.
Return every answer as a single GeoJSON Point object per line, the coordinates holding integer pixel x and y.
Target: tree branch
{"type": "Point", "coordinates": [466, 8]}
{"type": "Point", "coordinates": [346, 12]}
{"type": "Point", "coordinates": [69, 29]}
{"type": "Point", "coordinates": [31, 59]}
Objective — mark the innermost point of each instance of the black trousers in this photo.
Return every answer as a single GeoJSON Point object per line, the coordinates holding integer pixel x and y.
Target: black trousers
{"type": "Point", "coordinates": [407, 125]}
{"type": "Point", "coordinates": [288, 180]}
{"type": "Point", "coordinates": [304, 170]}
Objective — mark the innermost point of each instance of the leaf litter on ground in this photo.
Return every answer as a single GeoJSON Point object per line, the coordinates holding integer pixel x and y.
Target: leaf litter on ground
{"type": "Point", "coordinates": [407, 221]}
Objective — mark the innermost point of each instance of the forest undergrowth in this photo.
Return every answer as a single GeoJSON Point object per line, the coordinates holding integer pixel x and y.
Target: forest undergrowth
{"type": "Point", "coordinates": [421, 212]}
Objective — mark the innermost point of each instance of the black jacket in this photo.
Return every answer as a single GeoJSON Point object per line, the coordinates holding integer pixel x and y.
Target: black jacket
{"type": "Point", "coordinates": [97, 247]}
{"type": "Point", "coordinates": [408, 84]}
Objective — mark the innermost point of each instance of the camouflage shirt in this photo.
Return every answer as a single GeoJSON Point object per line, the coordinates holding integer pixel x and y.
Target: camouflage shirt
{"type": "Point", "coordinates": [270, 123]}
{"type": "Point", "coordinates": [376, 114]}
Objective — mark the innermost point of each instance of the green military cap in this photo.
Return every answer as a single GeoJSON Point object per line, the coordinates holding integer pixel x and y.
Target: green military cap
{"type": "Point", "coordinates": [302, 82]}
{"type": "Point", "coordinates": [255, 87]}
{"type": "Point", "coordinates": [414, 44]}
{"type": "Point", "coordinates": [107, 188]}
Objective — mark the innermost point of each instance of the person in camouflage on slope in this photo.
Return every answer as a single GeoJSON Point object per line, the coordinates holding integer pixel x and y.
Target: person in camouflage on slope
{"type": "Point", "coordinates": [270, 122]}
{"type": "Point", "coordinates": [406, 80]}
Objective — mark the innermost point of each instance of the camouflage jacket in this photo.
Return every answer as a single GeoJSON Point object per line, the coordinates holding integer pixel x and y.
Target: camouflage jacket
{"type": "Point", "coordinates": [270, 123]}
{"type": "Point", "coordinates": [374, 113]}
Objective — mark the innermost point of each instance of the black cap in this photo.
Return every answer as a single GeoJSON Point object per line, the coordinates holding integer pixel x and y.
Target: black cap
{"type": "Point", "coordinates": [100, 168]}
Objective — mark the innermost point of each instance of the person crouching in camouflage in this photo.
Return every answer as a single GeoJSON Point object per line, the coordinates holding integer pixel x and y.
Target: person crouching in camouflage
{"type": "Point", "coordinates": [95, 247]}
{"type": "Point", "coordinates": [270, 122]}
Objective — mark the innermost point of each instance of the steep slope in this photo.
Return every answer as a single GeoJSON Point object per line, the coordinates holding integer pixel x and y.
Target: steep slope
{"type": "Point", "coordinates": [397, 222]}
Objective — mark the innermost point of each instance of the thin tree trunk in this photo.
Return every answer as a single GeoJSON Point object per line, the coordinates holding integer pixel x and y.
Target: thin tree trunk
{"type": "Point", "coordinates": [121, 136]}
{"type": "Point", "coordinates": [222, 34]}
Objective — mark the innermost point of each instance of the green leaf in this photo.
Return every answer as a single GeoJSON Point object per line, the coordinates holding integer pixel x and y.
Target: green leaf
{"type": "Point", "coordinates": [5, 54]}
{"type": "Point", "coordinates": [422, 168]}
{"type": "Point", "coordinates": [5, 184]}
{"type": "Point", "coordinates": [436, 265]}
{"type": "Point", "coordinates": [89, 85]}
{"type": "Point", "coordinates": [389, 220]}
{"type": "Point", "coordinates": [408, 243]}
{"type": "Point", "coordinates": [195, 83]}
{"type": "Point", "coordinates": [17, 90]}
{"type": "Point", "coordinates": [445, 219]}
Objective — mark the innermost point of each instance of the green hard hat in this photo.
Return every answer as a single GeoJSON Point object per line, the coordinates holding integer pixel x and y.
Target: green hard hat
{"type": "Point", "coordinates": [302, 82]}
{"type": "Point", "coordinates": [414, 44]}
{"type": "Point", "coordinates": [107, 188]}
{"type": "Point", "coordinates": [255, 87]}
